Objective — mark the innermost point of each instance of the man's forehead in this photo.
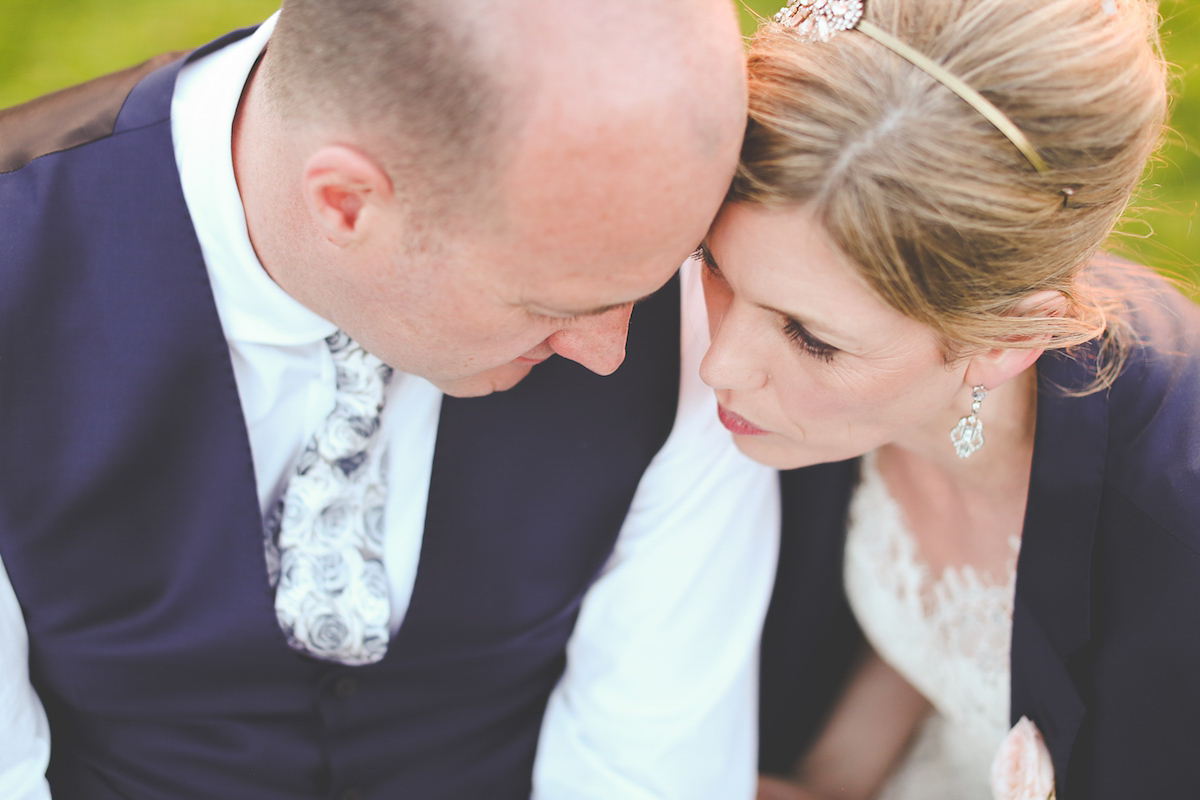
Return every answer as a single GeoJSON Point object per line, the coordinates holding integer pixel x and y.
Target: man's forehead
{"type": "Point", "coordinates": [594, 247]}
{"type": "Point", "coordinates": [568, 282]}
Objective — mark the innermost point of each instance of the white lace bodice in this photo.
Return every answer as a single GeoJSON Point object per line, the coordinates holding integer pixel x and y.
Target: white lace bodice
{"type": "Point", "coordinates": [948, 635]}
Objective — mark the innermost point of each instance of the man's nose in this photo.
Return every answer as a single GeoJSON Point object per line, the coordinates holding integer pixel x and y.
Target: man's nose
{"type": "Point", "coordinates": [597, 342]}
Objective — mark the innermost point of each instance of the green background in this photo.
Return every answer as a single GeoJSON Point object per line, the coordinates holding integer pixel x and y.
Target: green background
{"type": "Point", "coordinates": [48, 44]}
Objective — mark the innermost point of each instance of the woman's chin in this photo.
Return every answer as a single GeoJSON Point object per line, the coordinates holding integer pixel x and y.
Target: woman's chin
{"type": "Point", "coordinates": [780, 452]}
{"type": "Point", "coordinates": [775, 451]}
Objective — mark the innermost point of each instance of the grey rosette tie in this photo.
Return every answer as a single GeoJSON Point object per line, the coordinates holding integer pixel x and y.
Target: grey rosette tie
{"type": "Point", "coordinates": [325, 540]}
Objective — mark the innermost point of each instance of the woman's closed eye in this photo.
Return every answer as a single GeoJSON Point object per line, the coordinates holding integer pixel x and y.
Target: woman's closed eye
{"type": "Point", "coordinates": [794, 329]}
{"type": "Point", "coordinates": [807, 342]}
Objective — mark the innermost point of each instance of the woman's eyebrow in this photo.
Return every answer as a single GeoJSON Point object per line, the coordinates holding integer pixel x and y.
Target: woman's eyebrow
{"type": "Point", "coordinates": [808, 324]}
{"type": "Point", "coordinates": [707, 256]}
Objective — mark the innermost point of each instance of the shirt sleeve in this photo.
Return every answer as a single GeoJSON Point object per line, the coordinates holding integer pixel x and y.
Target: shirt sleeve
{"type": "Point", "coordinates": [24, 732]}
{"type": "Point", "coordinates": [659, 696]}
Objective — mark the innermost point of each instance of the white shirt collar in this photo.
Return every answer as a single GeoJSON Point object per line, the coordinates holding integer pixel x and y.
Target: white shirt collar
{"type": "Point", "coordinates": [252, 307]}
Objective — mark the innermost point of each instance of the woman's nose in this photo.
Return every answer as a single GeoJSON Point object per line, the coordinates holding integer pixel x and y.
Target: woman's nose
{"type": "Point", "coordinates": [733, 361]}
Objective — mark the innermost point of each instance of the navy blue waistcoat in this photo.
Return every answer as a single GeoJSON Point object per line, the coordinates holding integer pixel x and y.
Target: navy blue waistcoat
{"type": "Point", "coordinates": [131, 531]}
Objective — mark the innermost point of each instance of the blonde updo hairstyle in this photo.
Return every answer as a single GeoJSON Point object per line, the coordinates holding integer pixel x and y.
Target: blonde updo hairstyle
{"type": "Point", "coordinates": [948, 222]}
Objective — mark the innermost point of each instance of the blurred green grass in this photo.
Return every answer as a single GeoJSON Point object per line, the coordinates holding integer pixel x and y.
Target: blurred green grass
{"type": "Point", "coordinates": [49, 44]}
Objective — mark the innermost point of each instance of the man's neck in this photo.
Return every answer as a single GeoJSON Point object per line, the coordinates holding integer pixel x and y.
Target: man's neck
{"type": "Point", "coordinates": [263, 161]}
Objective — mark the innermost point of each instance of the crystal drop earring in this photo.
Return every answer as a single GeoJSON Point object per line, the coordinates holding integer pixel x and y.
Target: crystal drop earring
{"type": "Point", "coordinates": [967, 435]}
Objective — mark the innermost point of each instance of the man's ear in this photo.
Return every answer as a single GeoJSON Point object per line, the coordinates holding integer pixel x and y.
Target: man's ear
{"type": "Point", "coordinates": [345, 192]}
{"type": "Point", "coordinates": [999, 365]}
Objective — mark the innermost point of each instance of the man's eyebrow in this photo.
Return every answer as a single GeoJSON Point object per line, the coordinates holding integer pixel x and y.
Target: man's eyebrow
{"type": "Point", "coordinates": [596, 311]}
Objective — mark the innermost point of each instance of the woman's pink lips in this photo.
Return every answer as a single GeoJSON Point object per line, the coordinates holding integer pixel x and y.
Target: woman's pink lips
{"type": "Point", "coordinates": [738, 425]}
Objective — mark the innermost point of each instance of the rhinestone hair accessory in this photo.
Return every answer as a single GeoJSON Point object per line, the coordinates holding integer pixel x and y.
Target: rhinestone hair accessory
{"type": "Point", "coordinates": [967, 435]}
{"type": "Point", "coordinates": [819, 20]}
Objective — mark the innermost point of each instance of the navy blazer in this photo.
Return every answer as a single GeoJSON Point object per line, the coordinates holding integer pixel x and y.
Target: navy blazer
{"type": "Point", "coordinates": [1106, 625]}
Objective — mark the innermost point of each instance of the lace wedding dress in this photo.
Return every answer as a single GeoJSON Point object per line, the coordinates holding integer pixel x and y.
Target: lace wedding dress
{"type": "Point", "coordinates": [948, 635]}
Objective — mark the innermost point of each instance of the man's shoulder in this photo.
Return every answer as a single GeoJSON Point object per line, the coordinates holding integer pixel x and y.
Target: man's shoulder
{"type": "Point", "coordinates": [70, 117]}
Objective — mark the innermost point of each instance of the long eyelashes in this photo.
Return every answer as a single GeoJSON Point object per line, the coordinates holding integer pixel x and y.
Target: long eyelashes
{"type": "Point", "coordinates": [706, 258]}
{"type": "Point", "coordinates": [807, 342]}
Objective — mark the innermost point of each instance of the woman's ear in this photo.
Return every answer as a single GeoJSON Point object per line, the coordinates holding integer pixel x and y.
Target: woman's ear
{"type": "Point", "coordinates": [1001, 364]}
{"type": "Point", "coordinates": [345, 193]}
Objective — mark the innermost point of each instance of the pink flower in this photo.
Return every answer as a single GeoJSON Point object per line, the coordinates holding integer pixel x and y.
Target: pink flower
{"type": "Point", "coordinates": [1023, 769]}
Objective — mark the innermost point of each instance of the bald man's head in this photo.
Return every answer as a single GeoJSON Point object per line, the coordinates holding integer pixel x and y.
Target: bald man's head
{"type": "Point", "coordinates": [441, 92]}
{"type": "Point", "coordinates": [468, 188]}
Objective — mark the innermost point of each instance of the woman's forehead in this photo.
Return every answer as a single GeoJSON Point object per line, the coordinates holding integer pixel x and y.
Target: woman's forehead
{"type": "Point", "coordinates": [783, 260]}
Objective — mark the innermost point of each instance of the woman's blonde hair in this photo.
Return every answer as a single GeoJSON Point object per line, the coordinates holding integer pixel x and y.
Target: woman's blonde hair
{"type": "Point", "coordinates": [947, 220]}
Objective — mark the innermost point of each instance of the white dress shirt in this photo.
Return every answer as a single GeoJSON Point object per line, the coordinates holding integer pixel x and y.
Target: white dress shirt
{"type": "Point", "coordinates": [659, 695]}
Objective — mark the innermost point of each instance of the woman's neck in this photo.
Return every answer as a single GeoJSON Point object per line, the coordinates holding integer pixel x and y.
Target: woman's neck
{"type": "Point", "coordinates": [967, 511]}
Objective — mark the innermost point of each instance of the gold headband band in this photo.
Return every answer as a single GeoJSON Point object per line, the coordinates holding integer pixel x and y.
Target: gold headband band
{"type": "Point", "coordinates": [818, 20]}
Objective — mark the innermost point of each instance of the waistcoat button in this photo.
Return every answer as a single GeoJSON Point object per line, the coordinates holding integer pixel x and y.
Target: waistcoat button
{"type": "Point", "coordinates": [344, 688]}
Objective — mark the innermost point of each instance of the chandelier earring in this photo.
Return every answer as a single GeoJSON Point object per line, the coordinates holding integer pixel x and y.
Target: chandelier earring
{"type": "Point", "coordinates": [967, 435]}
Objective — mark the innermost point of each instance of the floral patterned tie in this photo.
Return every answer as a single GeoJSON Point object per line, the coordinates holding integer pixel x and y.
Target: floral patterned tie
{"type": "Point", "coordinates": [325, 539]}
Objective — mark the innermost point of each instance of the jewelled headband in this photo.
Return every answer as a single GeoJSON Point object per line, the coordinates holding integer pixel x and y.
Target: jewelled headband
{"type": "Point", "coordinates": [819, 20]}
